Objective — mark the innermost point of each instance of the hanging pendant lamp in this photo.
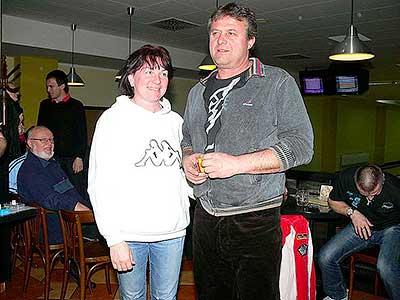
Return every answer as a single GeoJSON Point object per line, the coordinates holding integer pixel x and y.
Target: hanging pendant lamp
{"type": "Point", "coordinates": [130, 10]}
{"type": "Point", "coordinates": [73, 78]}
{"type": "Point", "coordinates": [207, 64]}
{"type": "Point", "coordinates": [351, 48]}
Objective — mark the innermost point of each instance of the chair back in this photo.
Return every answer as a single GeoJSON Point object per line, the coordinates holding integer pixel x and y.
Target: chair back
{"type": "Point", "coordinates": [39, 232]}
{"type": "Point", "coordinates": [82, 253]}
{"type": "Point", "coordinates": [37, 240]}
{"type": "Point", "coordinates": [71, 226]}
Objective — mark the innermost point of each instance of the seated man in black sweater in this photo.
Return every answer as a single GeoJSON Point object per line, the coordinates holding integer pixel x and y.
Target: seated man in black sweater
{"type": "Point", "coordinates": [371, 200]}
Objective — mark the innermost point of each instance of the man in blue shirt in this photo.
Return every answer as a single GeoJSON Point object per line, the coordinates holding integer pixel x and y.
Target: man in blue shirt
{"type": "Point", "coordinates": [41, 179]}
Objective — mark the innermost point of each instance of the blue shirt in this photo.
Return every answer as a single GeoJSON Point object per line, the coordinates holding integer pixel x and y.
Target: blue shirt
{"type": "Point", "coordinates": [13, 170]}
{"type": "Point", "coordinates": [45, 182]}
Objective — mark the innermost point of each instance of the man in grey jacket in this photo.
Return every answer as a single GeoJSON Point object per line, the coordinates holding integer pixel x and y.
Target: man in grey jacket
{"type": "Point", "coordinates": [244, 125]}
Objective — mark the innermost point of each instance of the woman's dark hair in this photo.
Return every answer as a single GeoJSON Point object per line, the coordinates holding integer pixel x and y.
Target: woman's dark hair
{"type": "Point", "coordinates": [154, 56]}
{"type": "Point", "coordinates": [60, 77]}
{"type": "Point", "coordinates": [238, 12]}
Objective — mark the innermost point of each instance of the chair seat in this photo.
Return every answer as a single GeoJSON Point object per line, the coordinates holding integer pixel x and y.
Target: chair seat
{"type": "Point", "coordinates": [54, 247]}
{"type": "Point", "coordinates": [96, 252]}
{"type": "Point", "coordinates": [369, 256]}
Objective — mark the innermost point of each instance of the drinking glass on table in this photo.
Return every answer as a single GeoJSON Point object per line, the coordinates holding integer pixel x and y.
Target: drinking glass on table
{"type": "Point", "coordinates": [302, 197]}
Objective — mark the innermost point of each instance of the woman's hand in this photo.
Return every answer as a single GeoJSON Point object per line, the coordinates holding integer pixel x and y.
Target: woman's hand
{"type": "Point", "coordinates": [121, 257]}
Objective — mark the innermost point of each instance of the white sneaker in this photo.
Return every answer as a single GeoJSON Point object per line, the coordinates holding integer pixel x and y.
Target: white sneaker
{"type": "Point", "coordinates": [329, 298]}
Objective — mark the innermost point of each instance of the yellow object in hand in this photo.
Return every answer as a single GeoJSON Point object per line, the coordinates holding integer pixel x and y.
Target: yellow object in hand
{"type": "Point", "coordinates": [199, 165]}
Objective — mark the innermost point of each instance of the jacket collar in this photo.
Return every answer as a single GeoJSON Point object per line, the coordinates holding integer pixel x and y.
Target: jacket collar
{"type": "Point", "coordinates": [65, 99]}
{"type": "Point", "coordinates": [255, 69]}
{"type": "Point", "coordinates": [44, 163]}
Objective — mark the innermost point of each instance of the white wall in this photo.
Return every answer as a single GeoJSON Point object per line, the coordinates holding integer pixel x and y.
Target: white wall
{"type": "Point", "coordinates": [56, 37]}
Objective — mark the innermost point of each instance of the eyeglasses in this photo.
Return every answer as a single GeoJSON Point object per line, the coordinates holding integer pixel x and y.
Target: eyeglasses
{"type": "Point", "coordinates": [44, 140]}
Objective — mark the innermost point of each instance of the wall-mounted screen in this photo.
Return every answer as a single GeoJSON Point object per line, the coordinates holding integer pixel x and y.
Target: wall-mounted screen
{"type": "Point", "coordinates": [347, 84]}
{"type": "Point", "coordinates": [337, 80]}
{"type": "Point", "coordinates": [313, 85]}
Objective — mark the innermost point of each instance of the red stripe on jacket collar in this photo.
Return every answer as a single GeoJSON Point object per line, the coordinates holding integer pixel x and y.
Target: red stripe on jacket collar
{"type": "Point", "coordinates": [255, 69]}
{"type": "Point", "coordinates": [65, 99]}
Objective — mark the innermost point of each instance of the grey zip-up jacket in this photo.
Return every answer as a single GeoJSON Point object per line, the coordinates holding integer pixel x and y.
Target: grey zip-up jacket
{"type": "Point", "coordinates": [265, 112]}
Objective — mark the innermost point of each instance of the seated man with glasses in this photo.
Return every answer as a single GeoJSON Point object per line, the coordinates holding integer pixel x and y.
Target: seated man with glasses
{"type": "Point", "coordinates": [42, 180]}
{"type": "Point", "coordinates": [371, 199]}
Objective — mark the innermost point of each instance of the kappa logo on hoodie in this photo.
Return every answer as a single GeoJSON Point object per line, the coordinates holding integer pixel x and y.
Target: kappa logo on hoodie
{"type": "Point", "coordinates": [159, 154]}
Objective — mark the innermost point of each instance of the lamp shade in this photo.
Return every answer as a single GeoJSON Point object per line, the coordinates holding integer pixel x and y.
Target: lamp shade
{"type": "Point", "coordinates": [118, 76]}
{"type": "Point", "coordinates": [351, 48]}
{"type": "Point", "coordinates": [74, 79]}
{"type": "Point", "coordinates": [207, 64]}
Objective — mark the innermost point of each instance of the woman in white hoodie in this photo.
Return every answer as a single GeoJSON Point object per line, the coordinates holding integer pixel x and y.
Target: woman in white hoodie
{"type": "Point", "coordinates": [136, 183]}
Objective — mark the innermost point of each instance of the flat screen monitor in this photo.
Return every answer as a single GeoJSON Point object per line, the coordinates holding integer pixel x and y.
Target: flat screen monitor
{"type": "Point", "coordinates": [347, 84]}
{"type": "Point", "coordinates": [312, 85]}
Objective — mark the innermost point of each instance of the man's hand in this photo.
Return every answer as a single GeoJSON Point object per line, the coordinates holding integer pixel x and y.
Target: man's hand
{"type": "Point", "coordinates": [362, 226]}
{"type": "Point", "coordinates": [190, 166]}
{"type": "Point", "coordinates": [80, 207]}
{"type": "Point", "coordinates": [121, 257]}
{"type": "Point", "coordinates": [77, 165]}
{"type": "Point", "coordinates": [220, 165]}
{"type": "Point", "coordinates": [3, 143]}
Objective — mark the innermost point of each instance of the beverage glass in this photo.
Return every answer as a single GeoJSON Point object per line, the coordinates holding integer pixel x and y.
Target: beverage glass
{"type": "Point", "coordinates": [302, 198]}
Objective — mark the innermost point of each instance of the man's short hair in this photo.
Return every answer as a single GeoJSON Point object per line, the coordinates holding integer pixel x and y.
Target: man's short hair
{"type": "Point", "coordinates": [60, 77]}
{"type": "Point", "coordinates": [367, 178]}
{"type": "Point", "coordinates": [238, 12]}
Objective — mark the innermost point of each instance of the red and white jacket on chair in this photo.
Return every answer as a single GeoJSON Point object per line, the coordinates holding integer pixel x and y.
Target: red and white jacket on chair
{"type": "Point", "coordinates": [297, 277]}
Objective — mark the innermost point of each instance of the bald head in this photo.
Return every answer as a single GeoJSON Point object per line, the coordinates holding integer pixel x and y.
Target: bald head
{"type": "Point", "coordinates": [369, 180]}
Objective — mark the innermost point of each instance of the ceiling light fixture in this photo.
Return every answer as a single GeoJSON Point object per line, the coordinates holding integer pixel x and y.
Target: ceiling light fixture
{"type": "Point", "coordinates": [130, 10]}
{"type": "Point", "coordinates": [351, 48]}
{"type": "Point", "coordinates": [73, 78]}
{"type": "Point", "coordinates": [207, 64]}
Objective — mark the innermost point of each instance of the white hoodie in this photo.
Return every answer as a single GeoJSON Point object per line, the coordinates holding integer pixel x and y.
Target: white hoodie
{"type": "Point", "coordinates": [136, 184]}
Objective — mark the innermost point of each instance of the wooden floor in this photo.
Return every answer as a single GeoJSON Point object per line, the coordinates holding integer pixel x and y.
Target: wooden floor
{"type": "Point", "coordinates": [186, 289]}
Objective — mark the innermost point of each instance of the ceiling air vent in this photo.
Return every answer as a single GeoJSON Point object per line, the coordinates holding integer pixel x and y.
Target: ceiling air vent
{"type": "Point", "coordinates": [173, 24]}
{"type": "Point", "coordinates": [292, 56]}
